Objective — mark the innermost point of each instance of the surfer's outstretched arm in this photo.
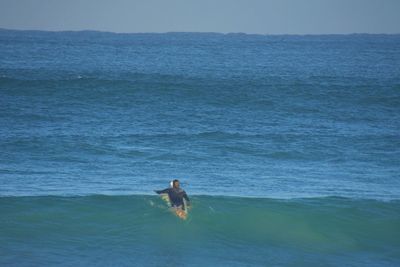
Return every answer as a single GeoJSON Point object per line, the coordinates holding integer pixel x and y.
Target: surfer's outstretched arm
{"type": "Point", "coordinates": [165, 191]}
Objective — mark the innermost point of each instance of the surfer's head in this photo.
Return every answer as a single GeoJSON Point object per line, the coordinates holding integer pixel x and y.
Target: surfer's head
{"type": "Point", "coordinates": [175, 183]}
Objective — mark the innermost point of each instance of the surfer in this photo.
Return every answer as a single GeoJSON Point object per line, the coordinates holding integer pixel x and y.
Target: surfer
{"type": "Point", "coordinates": [176, 195]}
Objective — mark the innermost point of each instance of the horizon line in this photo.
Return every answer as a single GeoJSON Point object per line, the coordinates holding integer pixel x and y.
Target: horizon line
{"type": "Point", "coordinates": [191, 32]}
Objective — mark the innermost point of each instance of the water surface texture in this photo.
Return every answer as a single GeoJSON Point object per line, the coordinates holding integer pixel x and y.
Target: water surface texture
{"type": "Point", "coordinates": [288, 145]}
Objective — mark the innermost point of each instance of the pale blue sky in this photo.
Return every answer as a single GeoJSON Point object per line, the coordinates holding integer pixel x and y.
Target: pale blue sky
{"type": "Point", "coordinates": [249, 16]}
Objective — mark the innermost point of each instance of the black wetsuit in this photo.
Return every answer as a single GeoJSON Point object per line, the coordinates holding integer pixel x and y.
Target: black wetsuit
{"type": "Point", "coordinates": [176, 196]}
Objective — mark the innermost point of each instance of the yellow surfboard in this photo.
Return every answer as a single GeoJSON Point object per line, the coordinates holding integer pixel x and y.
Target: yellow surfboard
{"type": "Point", "coordinates": [182, 214]}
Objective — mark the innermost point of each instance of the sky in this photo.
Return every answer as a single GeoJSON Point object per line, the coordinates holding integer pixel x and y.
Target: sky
{"type": "Point", "coordinates": [248, 16]}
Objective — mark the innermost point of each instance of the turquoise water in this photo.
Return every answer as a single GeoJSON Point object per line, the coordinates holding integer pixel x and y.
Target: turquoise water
{"type": "Point", "coordinates": [289, 147]}
{"type": "Point", "coordinates": [140, 231]}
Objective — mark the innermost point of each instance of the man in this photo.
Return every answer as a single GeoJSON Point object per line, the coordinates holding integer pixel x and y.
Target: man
{"type": "Point", "coordinates": [176, 195]}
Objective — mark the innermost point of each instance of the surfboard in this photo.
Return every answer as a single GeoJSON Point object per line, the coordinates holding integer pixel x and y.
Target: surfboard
{"type": "Point", "coordinates": [182, 214]}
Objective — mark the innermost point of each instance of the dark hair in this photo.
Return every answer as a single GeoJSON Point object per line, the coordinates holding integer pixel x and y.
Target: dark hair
{"type": "Point", "coordinates": [174, 181]}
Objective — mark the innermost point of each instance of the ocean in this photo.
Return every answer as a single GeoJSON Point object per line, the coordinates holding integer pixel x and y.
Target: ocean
{"type": "Point", "coordinates": [287, 145]}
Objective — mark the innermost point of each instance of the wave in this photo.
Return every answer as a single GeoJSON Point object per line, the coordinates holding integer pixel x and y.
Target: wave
{"type": "Point", "coordinates": [140, 230]}
{"type": "Point", "coordinates": [331, 223]}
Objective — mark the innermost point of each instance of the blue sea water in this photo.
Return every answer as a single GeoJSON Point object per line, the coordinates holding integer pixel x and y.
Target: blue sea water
{"type": "Point", "coordinates": [289, 147]}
